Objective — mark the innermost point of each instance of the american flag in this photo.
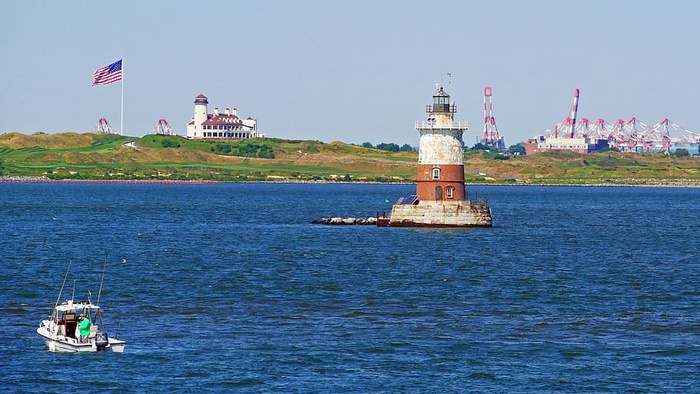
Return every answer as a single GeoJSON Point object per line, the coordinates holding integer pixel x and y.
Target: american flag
{"type": "Point", "coordinates": [108, 74]}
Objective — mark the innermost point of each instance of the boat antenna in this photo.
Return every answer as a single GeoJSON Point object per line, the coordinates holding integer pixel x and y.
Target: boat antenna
{"type": "Point", "coordinates": [62, 286]}
{"type": "Point", "coordinates": [104, 268]}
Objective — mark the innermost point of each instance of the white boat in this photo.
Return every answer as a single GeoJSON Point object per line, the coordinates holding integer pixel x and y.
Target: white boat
{"type": "Point", "coordinates": [61, 333]}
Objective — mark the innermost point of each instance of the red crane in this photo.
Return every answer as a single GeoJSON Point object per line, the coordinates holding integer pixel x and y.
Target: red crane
{"type": "Point", "coordinates": [103, 126]}
{"type": "Point", "coordinates": [163, 128]}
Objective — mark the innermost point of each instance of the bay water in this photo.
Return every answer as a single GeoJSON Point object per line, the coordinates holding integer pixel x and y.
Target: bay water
{"type": "Point", "coordinates": [228, 287]}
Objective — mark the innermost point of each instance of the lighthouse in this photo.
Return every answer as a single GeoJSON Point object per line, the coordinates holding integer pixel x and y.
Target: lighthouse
{"type": "Point", "coordinates": [200, 116]}
{"type": "Point", "coordinates": [440, 199]}
{"type": "Point", "coordinates": [441, 153]}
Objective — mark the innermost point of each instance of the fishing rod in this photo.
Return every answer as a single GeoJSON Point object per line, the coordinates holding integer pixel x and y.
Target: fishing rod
{"type": "Point", "coordinates": [99, 293]}
{"type": "Point", "coordinates": [104, 268]}
{"type": "Point", "coordinates": [61, 291]}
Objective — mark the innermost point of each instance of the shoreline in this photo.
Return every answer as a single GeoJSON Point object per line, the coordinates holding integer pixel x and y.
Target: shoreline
{"type": "Point", "coordinates": [676, 183]}
{"type": "Point", "coordinates": [43, 179]}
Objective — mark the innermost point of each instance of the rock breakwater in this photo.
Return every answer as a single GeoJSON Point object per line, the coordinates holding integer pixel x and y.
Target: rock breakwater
{"type": "Point", "coordinates": [347, 221]}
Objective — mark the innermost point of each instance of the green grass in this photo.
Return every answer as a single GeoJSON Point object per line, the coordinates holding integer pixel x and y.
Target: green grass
{"type": "Point", "coordinates": [104, 156]}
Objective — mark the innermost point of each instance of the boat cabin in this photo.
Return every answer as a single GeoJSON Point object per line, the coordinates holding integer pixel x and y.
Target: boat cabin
{"type": "Point", "coordinates": [65, 316]}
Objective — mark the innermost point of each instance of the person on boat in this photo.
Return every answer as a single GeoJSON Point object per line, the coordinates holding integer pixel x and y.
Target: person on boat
{"type": "Point", "coordinates": [84, 327]}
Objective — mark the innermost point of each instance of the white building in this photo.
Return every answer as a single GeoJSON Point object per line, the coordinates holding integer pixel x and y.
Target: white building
{"type": "Point", "coordinates": [219, 125]}
{"type": "Point", "coordinates": [578, 144]}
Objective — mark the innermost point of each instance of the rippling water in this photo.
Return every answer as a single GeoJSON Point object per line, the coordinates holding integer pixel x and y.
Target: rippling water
{"type": "Point", "coordinates": [228, 287]}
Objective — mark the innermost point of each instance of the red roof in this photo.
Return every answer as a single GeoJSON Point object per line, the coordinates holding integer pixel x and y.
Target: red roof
{"type": "Point", "coordinates": [223, 120]}
{"type": "Point", "coordinates": [201, 96]}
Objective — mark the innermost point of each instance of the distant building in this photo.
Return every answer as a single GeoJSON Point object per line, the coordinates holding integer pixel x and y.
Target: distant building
{"type": "Point", "coordinates": [219, 125]}
{"type": "Point", "coordinates": [581, 145]}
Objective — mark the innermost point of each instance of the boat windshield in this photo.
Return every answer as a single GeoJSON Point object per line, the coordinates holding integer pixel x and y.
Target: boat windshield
{"type": "Point", "coordinates": [69, 311]}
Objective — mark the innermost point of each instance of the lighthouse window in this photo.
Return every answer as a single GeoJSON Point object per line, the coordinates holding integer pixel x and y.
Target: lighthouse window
{"type": "Point", "coordinates": [436, 173]}
{"type": "Point", "coordinates": [449, 191]}
{"type": "Point", "coordinates": [440, 100]}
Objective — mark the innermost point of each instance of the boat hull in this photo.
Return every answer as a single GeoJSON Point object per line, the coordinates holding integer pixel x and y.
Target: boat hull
{"type": "Point", "coordinates": [61, 344]}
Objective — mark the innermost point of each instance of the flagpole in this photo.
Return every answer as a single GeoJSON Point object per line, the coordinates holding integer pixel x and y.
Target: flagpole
{"type": "Point", "coordinates": [121, 120]}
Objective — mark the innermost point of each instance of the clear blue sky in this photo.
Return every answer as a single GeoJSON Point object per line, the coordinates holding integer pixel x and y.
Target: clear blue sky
{"type": "Point", "coordinates": [350, 71]}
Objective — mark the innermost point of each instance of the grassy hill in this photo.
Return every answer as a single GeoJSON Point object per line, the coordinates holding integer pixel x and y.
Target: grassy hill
{"type": "Point", "coordinates": [155, 157]}
{"type": "Point", "coordinates": [113, 157]}
{"type": "Point", "coordinates": [614, 168]}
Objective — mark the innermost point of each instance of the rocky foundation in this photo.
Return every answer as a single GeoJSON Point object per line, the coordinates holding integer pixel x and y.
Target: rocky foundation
{"type": "Point", "coordinates": [441, 214]}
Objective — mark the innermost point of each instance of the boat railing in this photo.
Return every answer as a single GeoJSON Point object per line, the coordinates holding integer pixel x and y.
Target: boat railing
{"type": "Point", "coordinates": [382, 219]}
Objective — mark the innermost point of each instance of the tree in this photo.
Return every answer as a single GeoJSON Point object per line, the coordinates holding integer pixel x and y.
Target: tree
{"type": "Point", "coordinates": [480, 146]}
{"type": "Point", "coordinates": [367, 145]}
{"type": "Point", "coordinates": [168, 143]}
{"type": "Point", "coordinates": [406, 148]}
{"type": "Point", "coordinates": [266, 152]}
{"type": "Point", "coordinates": [222, 147]}
{"type": "Point", "coordinates": [517, 150]}
{"type": "Point", "coordinates": [391, 147]}
{"type": "Point", "coordinates": [682, 152]}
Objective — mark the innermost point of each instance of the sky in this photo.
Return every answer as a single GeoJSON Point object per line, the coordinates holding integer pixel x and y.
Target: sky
{"type": "Point", "coordinates": [351, 71]}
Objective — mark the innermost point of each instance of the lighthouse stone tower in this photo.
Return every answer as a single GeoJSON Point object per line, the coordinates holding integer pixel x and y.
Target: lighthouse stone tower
{"type": "Point", "coordinates": [440, 193]}
{"type": "Point", "coordinates": [440, 155]}
{"type": "Point", "coordinates": [195, 129]}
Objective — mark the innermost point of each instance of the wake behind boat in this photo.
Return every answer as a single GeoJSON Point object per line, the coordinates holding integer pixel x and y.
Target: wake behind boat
{"type": "Point", "coordinates": [77, 327]}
